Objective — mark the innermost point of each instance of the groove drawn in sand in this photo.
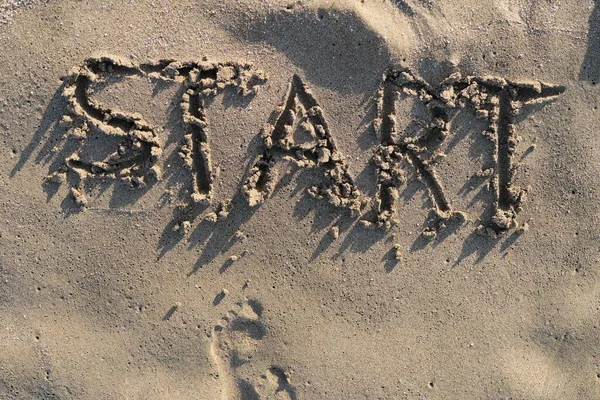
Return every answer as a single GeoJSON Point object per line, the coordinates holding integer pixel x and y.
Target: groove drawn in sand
{"type": "Point", "coordinates": [139, 149]}
{"type": "Point", "coordinates": [496, 99]}
{"type": "Point", "coordinates": [502, 101]}
{"type": "Point", "coordinates": [396, 147]}
{"type": "Point", "coordinates": [235, 341]}
{"type": "Point", "coordinates": [298, 132]}
{"type": "Point", "coordinates": [204, 80]}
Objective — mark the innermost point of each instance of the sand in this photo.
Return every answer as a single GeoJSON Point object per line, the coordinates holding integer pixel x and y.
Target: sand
{"type": "Point", "coordinates": [343, 199]}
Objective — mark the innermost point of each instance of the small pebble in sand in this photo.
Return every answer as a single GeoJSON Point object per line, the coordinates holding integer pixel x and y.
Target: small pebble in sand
{"type": "Point", "coordinates": [239, 236]}
{"type": "Point", "coordinates": [366, 224]}
{"type": "Point", "coordinates": [57, 177]}
{"type": "Point", "coordinates": [65, 122]}
{"type": "Point", "coordinates": [222, 214]}
{"type": "Point", "coordinates": [334, 232]}
{"type": "Point", "coordinates": [79, 198]}
{"type": "Point", "coordinates": [397, 251]}
{"type": "Point", "coordinates": [184, 227]}
{"type": "Point", "coordinates": [428, 234]}
{"type": "Point", "coordinates": [212, 217]}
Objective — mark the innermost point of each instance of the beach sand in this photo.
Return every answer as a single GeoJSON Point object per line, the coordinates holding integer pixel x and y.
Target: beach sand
{"type": "Point", "coordinates": [265, 199]}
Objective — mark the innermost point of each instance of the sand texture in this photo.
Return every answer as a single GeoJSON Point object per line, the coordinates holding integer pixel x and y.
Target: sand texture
{"type": "Point", "coordinates": [312, 199]}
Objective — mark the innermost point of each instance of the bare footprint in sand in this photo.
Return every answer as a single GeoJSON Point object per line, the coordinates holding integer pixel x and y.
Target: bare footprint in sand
{"type": "Point", "coordinates": [237, 352]}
